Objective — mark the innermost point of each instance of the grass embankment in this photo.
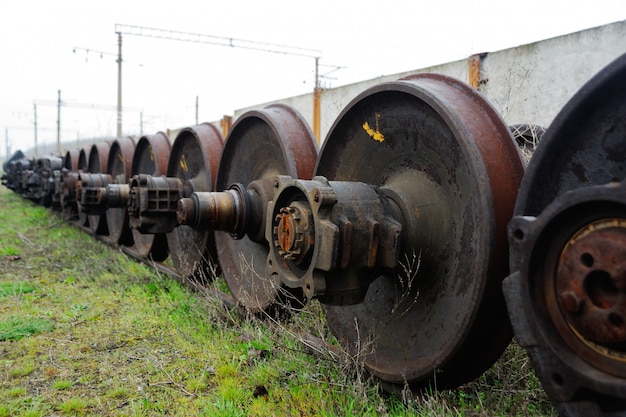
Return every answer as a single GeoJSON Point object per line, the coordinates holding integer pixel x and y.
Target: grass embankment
{"type": "Point", "coordinates": [84, 330]}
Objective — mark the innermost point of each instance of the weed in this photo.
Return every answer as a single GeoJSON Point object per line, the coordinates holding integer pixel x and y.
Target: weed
{"type": "Point", "coordinates": [118, 392]}
{"type": "Point", "coordinates": [15, 328]}
{"type": "Point", "coordinates": [74, 405]}
{"type": "Point", "coordinates": [8, 251]}
{"type": "Point", "coordinates": [62, 385]}
{"type": "Point", "coordinates": [8, 289]}
{"type": "Point", "coordinates": [23, 369]}
{"type": "Point", "coordinates": [16, 392]}
{"type": "Point", "coordinates": [6, 410]}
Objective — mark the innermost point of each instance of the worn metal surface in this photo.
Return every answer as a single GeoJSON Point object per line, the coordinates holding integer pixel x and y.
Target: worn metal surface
{"type": "Point", "coordinates": [566, 296]}
{"type": "Point", "coordinates": [590, 284]}
{"type": "Point", "coordinates": [438, 149]}
{"type": "Point", "coordinates": [70, 162]}
{"type": "Point", "coordinates": [331, 239]}
{"type": "Point", "coordinates": [82, 160]}
{"type": "Point", "coordinates": [194, 160]}
{"type": "Point", "coordinates": [13, 178]}
{"type": "Point", "coordinates": [41, 184]}
{"type": "Point", "coordinates": [119, 165]}
{"type": "Point", "coordinates": [152, 203]}
{"type": "Point", "coordinates": [87, 195]}
{"type": "Point", "coordinates": [10, 178]}
{"type": "Point", "coordinates": [96, 164]}
{"type": "Point", "coordinates": [261, 144]}
{"type": "Point", "coordinates": [69, 175]}
{"type": "Point", "coordinates": [68, 193]}
{"type": "Point", "coordinates": [150, 158]}
{"type": "Point", "coordinates": [14, 157]}
{"type": "Point", "coordinates": [70, 159]}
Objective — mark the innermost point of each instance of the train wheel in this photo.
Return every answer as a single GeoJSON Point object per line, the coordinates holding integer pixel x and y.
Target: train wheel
{"type": "Point", "coordinates": [68, 184]}
{"type": "Point", "coordinates": [261, 144]}
{"type": "Point", "coordinates": [567, 296]}
{"type": "Point", "coordinates": [97, 164]}
{"type": "Point", "coordinates": [119, 166]}
{"type": "Point", "coordinates": [194, 159]}
{"type": "Point", "coordinates": [150, 157]}
{"type": "Point", "coordinates": [438, 150]}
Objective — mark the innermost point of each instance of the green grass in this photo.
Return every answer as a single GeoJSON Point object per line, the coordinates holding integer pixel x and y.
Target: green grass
{"type": "Point", "coordinates": [88, 331]}
{"type": "Point", "coordinates": [15, 328]}
{"type": "Point", "coordinates": [8, 289]}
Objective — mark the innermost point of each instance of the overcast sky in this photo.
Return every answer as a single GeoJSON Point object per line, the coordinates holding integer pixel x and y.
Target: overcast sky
{"type": "Point", "coordinates": [43, 49]}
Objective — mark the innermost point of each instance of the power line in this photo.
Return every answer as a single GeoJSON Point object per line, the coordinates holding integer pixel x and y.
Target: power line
{"type": "Point", "coordinates": [89, 106]}
{"type": "Point", "coordinates": [87, 51]}
{"type": "Point", "coordinates": [231, 43]}
{"type": "Point", "coordinates": [215, 40]}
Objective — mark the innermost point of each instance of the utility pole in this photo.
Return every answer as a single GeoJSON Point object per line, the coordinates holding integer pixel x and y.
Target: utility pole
{"type": "Point", "coordinates": [59, 123]}
{"type": "Point", "coordinates": [196, 110]}
{"type": "Point", "coordinates": [35, 108]}
{"type": "Point", "coordinates": [317, 92]}
{"type": "Point", "coordinates": [119, 84]}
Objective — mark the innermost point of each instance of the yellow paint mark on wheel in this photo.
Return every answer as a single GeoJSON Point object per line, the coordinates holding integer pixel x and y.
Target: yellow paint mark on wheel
{"type": "Point", "coordinates": [375, 134]}
{"type": "Point", "coordinates": [183, 163]}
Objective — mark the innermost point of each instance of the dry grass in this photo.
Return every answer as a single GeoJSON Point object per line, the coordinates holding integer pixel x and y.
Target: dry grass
{"type": "Point", "coordinates": [126, 340]}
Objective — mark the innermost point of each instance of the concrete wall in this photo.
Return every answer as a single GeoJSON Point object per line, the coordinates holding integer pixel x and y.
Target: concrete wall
{"type": "Point", "coordinates": [531, 83]}
{"type": "Point", "coordinates": [526, 84]}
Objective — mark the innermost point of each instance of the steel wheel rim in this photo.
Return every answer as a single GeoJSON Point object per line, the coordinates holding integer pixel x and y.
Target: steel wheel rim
{"type": "Point", "coordinates": [194, 157]}
{"type": "Point", "coordinates": [278, 141]}
{"type": "Point", "coordinates": [97, 163]}
{"type": "Point", "coordinates": [68, 199]}
{"type": "Point", "coordinates": [150, 157]}
{"type": "Point", "coordinates": [428, 105]}
{"type": "Point", "coordinates": [119, 166]}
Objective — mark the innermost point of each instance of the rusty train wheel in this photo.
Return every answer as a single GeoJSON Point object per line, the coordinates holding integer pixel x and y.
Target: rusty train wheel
{"type": "Point", "coordinates": [194, 159]}
{"type": "Point", "coordinates": [567, 298]}
{"type": "Point", "coordinates": [83, 158]}
{"type": "Point", "coordinates": [68, 197]}
{"type": "Point", "coordinates": [70, 160]}
{"type": "Point", "coordinates": [119, 166]}
{"type": "Point", "coordinates": [150, 157]}
{"type": "Point", "coordinates": [96, 163]}
{"type": "Point", "coordinates": [261, 144]}
{"type": "Point", "coordinates": [433, 139]}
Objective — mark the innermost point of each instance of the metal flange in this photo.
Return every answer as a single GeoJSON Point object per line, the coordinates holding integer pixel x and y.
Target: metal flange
{"type": "Point", "coordinates": [119, 166]}
{"type": "Point", "coordinates": [443, 155]}
{"type": "Point", "coordinates": [261, 144]}
{"type": "Point", "coordinates": [150, 158]}
{"type": "Point", "coordinates": [193, 160]}
{"type": "Point", "coordinates": [97, 163]}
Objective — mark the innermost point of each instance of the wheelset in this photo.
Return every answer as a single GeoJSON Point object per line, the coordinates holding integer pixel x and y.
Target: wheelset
{"type": "Point", "coordinates": [567, 296]}
{"type": "Point", "coordinates": [402, 233]}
